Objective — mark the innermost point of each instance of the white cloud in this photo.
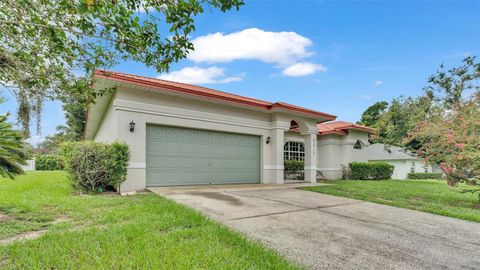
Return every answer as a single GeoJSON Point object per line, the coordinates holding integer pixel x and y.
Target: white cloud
{"type": "Point", "coordinates": [302, 69]}
{"type": "Point", "coordinates": [35, 140]}
{"type": "Point", "coordinates": [198, 75]}
{"type": "Point", "coordinates": [377, 83]}
{"type": "Point", "coordinates": [282, 48]}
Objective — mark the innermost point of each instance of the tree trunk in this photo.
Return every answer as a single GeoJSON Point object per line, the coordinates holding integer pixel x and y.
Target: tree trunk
{"type": "Point", "coordinates": [449, 174]}
{"type": "Point", "coordinates": [451, 181]}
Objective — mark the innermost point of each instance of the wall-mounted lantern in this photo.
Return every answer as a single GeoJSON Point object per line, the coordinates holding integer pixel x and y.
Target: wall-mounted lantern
{"type": "Point", "coordinates": [132, 126]}
{"type": "Point", "coordinates": [268, 140]}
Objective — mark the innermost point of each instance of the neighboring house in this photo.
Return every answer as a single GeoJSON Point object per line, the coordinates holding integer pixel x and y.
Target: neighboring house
{"type": "Point", "coordinates": [405, 162]}
{"type": "Point", "coordinates": [181, 134]}
{"type": "Point", "coordinates": [29, 166]}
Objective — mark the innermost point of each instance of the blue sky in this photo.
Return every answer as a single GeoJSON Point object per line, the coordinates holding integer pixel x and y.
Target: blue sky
{"type": "Point", "coordinates": [333, 56]}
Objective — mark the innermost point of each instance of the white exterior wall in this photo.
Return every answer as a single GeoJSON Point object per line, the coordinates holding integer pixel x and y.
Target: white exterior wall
{"type": "Point", "coordinates": [30, 166]}
{"type": "Point", "coordinates": [404, 167]}
{"type": "Point", "coordinates": [401, 168]}
{"type": "Point", "coordinates": [151, 108]}
{"type": "Point", "coordinates": [107, 131]}
{"type": "Point", "coordinates": [335, 151]}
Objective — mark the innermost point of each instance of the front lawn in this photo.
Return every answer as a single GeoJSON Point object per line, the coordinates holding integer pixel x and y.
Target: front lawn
{"type": "Point", "coordinates": [143, 231]}
{"type": "Point", "coordinates": [432, 196]}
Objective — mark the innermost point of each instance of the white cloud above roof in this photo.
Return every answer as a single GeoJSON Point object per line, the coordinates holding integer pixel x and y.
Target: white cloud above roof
{"type": "Point", "coordinates": [198, 75]}
{"type": "Point", "coordinates": [377, 83]}
{"type": "Point", "coordinates": [282, 48]}
{"type": "Point", "coordinates": [302, 69]}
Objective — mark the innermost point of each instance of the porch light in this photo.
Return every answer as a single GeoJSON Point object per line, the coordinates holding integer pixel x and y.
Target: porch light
{"type": "Point", "coordinates": [132, 126]}
{"type": "Point", "coordinates": [268, 140]}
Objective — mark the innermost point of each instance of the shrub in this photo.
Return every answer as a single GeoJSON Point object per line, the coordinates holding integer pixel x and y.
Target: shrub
{"type": "Point", "coordinates": [94, 167]}
{"type": "Point", "coordinates": [425, 176]}
{"type": "Point", "coordinates": [370, 170]}
{"type": "Point", "coordinates": [293, 165]}
{"type": "Point", "coordinates": [49, 163]}
{"type": "Point", "coordinates": [293, 169]}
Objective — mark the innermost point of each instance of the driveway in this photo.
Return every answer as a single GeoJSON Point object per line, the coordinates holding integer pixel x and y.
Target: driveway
{"type": "Point", "coordinates": [327, 232]}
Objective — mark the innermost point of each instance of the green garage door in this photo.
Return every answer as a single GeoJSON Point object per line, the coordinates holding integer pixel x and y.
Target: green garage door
{"type": "Point", "coordinates": [183, 156]}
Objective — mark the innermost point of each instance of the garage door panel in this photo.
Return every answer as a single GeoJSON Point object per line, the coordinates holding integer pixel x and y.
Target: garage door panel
{"type": "Point", "coordinates": [210, 162]}
{"type": "Point", "coordinates": [181, 156]}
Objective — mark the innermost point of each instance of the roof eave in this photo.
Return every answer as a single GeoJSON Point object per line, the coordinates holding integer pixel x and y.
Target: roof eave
{"type": "Point", "coordinates": [269, 107]}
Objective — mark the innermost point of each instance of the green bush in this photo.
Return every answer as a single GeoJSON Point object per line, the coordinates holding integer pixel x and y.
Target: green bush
{"type": "Point", "coordinates": [48, 163]}
{"type": "Point", "coordinates": [293, 165]}
{"type": "Point", "coordinates": [370, 170]}
{"type": "Point", "coordinates": [425, 176]}
{"type": "Point", "coordinates": [95, 167]}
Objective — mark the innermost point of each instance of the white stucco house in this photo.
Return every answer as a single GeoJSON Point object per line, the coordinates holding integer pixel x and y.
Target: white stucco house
{"type": "Point", "coordinates": [181, 134]}
{"type": "Point", "coordinates": [404, 161]}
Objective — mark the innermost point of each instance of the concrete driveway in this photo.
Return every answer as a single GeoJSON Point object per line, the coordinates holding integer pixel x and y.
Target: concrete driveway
{"type": "Point", "coordinates": [328, 232]}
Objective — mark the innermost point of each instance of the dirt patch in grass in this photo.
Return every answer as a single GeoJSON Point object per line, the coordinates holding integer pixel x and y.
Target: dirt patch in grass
{"type": "Point", "coordinates": [3, 262]}
{"type": "Point", "coordinates": [23, 236]}
{"type": "Point", "coordinates": [32, 234]}
{"type": "Point", "coordinates": [61, 219]}
{"type": "Point", "coordinates": [4, 217]}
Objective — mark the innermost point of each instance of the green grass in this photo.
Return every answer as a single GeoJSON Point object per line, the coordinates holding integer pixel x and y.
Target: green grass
{"type": "Point", "coordinates": [143, 231]}
{"type": "Point", "coordinates": [432, 196]}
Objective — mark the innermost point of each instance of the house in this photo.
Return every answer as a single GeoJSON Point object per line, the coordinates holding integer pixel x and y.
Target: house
{"type": "Point", "coordinates": [404, 161]}
{"type": "Point", "coordinates": [29, 165]}
{"type": "Point", "coordinates": [181, 134]}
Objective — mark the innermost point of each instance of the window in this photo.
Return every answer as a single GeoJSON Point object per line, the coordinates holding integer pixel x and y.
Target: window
{"type": "Point", "coordinates": [357, 145]}
{"type": "Point", "coordinates": [426, 168]}
{"type": "Point", "coordinates": [294, 151]}
{"type": "Point", "coordinates": [412, 167]}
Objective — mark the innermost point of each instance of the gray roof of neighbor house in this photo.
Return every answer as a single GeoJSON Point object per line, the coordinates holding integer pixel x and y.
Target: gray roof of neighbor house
{"type": "Point", "coordinates": [379, 151]}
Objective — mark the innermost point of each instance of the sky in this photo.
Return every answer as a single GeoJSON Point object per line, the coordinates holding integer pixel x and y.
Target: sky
{"type": "Point", "coordinates": [337, 57]}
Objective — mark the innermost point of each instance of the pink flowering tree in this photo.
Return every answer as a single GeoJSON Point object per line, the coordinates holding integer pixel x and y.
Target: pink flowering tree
{"type": "Point", "coordinates": [451, 138]}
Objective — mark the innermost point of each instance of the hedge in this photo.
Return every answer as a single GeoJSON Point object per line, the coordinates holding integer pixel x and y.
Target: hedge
{"type": "Point", "coordinates": [48, 163]}
{"type": "Point", "coordinates": [425, 176]}
{"type": "Point", "coordinates": [96, 167]}
{"type": "Point", "coordinates": [370, 170]}
{"type": "Point", "coordinates": [293, 165]}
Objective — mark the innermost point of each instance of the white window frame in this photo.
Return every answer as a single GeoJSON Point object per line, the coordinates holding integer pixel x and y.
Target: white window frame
{"type": "Point", "coordinates": [294, 150]}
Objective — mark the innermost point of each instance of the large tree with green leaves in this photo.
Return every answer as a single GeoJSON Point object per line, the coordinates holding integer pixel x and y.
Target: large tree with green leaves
{"type": "Point", "coordinates": [373, 113]}
{"type": "Point", "coordinates": [454, 85]}
{"type": "Point", "coordinates": [44, 44]}
{"type": "Point", "coordinates": [399, 118]}
{"type": "Point", "coordinates": [12, 148]}
{"type": "Point", "coordinates": [452, 140]}
{"type": "Point", "coordinates": [450, 137]}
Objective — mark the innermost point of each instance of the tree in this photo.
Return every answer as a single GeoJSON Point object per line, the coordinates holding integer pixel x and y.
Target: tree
{"type": "Point", "coordinates": [75, 100]}
{"type": "Point", "coordinates": [51, 144]}
{"type": "Point", "coordinates": [43, 44]}
{"type": "Point", "coordinates": [372, 114]}
{"type": "Point", "coordinates": [450, 136]}
{"type": "Point", "coordinates": [452, 139]}
{"type": "Point", "coordinates": [454, 84]}
{"type": "Point", "coordinates": [12, 152]}
{"type": "Point", "coordinates": [400, 117]}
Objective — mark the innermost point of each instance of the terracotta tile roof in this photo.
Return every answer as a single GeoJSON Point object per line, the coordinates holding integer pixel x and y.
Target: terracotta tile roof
{"type": "Point", "coordinates": [340, 127]}
{"type": "Point", "coordinates": [204, 92]}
